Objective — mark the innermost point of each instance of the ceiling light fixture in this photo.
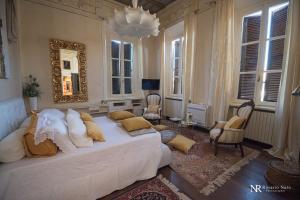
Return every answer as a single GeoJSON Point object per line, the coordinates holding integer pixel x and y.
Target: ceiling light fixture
{"type": "Point", "coordinates": [134, 22]}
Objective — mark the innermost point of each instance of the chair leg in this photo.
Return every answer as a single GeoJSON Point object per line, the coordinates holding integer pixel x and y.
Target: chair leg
{"type": "Point", "coordinates": [235, 145]}
{"type": "Point", "coordinates": [159, 121]}
{"type": "Point", "coordinates": [210, 140]}
{"type": "Point", "coordinates": [216, 148]}
{"type": "Point", "coordinates": [242, 150]}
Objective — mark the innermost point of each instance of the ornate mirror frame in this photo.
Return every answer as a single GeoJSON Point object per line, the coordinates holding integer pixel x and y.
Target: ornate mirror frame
{"type": "Point", "coordinates": [58, 97]}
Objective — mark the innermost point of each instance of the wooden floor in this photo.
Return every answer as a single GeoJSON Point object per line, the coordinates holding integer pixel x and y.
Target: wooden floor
{"type": "Point", "coordinates": [237, 188]}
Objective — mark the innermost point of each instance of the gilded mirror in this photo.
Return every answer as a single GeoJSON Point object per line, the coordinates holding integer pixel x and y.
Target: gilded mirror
{"type": "Point", "coordinates": [68, 63]}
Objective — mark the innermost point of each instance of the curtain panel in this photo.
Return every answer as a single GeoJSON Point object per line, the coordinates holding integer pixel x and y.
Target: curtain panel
{"type": "Point", "coordinates": [286, 137]}
{"type": "Point", "coordinates": [220, 86]}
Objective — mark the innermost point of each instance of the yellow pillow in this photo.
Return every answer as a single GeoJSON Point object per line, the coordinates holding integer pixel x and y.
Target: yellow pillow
{"type": "Point", "coordinates": [135, 123]}
{"type": "Point", "coordinates": [235, 122]}
{"type": "Point", "coordinates": [94, 131]}
{"type": "Point", "coordinates": [160, 127]}
{"type": "Point", "coordinates": [46, 148]}
{"type": "Point", "coordinates": [153, 108]}
{"type": "Point", "coordinates": [86, 116]}
{"type": "Point", "coordinates": [182, 143]}
{"type": "Point", "coordinates": [120, 115]}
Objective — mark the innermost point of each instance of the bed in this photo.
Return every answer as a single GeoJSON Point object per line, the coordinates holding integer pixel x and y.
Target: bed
{"type": "Point", "coordinates": [87, 173]}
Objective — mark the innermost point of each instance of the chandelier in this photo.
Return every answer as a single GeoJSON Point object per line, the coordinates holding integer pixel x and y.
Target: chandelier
{"type": "Point", "coordinates": [134, 21]}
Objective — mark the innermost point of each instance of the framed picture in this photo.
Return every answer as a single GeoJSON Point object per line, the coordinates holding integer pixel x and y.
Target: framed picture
{"type": "Point", "coordinates": [2, 66]}
{"type": "Point", "coordinates": [67, 64]}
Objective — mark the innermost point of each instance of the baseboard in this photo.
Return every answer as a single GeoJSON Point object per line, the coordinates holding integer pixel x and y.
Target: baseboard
{"type": "Point", "coordinates": [257, 144]}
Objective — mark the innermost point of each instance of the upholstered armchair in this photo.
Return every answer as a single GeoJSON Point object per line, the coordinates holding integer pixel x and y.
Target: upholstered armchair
{"type": "Point", "coordinates": [220, 133]}
{"type": "Point", "coordinates": [153, 110]}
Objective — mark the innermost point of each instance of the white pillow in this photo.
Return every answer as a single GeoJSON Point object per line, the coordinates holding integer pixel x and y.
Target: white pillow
{"type": "Point", "coordinates": [11, 147]}
{"type": "Point", "coordinates": [73, 112]}
{"type": "Point", "coordinates": [61, 138]}
{"type": "Point", "coordinates": [77, 131]}
{"type": "Point", "coordinates": [52, 113]}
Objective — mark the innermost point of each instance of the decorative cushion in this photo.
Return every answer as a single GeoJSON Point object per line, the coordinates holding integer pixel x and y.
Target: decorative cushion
{"type": "Point", "coordinates": [53, 113]}
{"type": "Point", "coordinates": [46, 148]}
{"type": "Point", "coordinates": [214, 133]}
{"type": "Point", "coordinates": [135, 123]}
{"type": "Point", "coordinates": [94, 131]}
{"type": "Point", "coordinates": [120, 115]}
{"type": "Point", "coordinates": [77, 131]}
{"type": "Point", "coordinates": [235, 122]}
{"type": "Point", "coordinates": [142, 131]}
{"type": "Point", "coordinates": [151, 116]}
{"type": "Point", "coordinates": [160, 127]}
{"type": "Point", "coordinates": [11, 147]}
{"type": "Point", "coordinates": [153, 109]}
{"type": "Point", "coordinates": [182, 143]}
{"type": "Point", "coordinates": [73, 112]}
{"type": "Point", "coordinates": [167, 136]}
{"type": "Point", "coordinates": [86, 116]}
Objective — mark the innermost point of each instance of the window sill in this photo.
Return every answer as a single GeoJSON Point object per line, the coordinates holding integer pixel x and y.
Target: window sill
{"type": "Point", "coordinates": [257, 107]}
{"type": "Point", "coordinates": [174, 98]}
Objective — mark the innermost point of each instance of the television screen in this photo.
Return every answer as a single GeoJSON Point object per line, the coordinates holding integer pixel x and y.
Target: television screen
{"type": "Point", "coordinates": [150, 84]}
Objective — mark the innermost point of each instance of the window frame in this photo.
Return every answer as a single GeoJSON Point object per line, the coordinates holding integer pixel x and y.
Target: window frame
{"type": "Point", "coordinates": [172, 71]}
{"type": "Point", "coordinates": [264, 8]}
{"type": "Point", "coordinates": [122, 60]}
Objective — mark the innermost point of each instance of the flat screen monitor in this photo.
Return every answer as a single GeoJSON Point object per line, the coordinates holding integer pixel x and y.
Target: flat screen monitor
{"type": "Point", "coordinates": [150, 84]}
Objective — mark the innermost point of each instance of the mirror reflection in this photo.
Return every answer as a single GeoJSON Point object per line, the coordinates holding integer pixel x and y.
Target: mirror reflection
{"type": "Point", "coordinates": [69, 71]}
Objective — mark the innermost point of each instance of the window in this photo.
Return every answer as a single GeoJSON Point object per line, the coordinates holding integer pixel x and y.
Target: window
{"type": "Point", "coordinates": [2, 66]}
{"type": "Point", "coordinates": [262, 54]}
{"type": "Point", "coordinates": [122, 65]}
{"type": "Point", "coordinates": [177, 66]}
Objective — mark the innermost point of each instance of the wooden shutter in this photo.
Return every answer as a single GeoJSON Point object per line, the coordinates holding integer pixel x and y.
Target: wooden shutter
{"type": "Point", "coordinates": [249, 56]}
{"type": "Point", "coordinates": [275, 54]}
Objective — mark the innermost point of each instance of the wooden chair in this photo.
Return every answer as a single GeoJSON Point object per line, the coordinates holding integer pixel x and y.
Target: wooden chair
{"type": "Point", "coordinates": [153, 110]}
{"type": "Point", "coordinates": [219, 134]}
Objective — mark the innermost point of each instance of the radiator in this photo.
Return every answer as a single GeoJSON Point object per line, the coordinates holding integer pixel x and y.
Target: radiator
{"type": "Point", "coordinates": [172, 108]}
{"type": "Point", "coordinates": [200, 114]}
{"type": "Point", "coordinates": [261, 126]}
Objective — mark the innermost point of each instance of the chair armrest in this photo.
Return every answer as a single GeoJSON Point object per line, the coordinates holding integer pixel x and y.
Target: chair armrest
{"type": "Point", "coordinates": [218, 124]}
{"type": "Point", "coordinates": [145, 110]}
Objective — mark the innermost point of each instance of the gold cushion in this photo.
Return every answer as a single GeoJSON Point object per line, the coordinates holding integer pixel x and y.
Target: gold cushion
{"type": "Point", "coordinates": [94, 131]}
{"type": "Point", "coordinates": [160, 127]}
{"type": "Point", "coordinates": [235, 122]}
{"type": "Point", "coordinates": [135, 123]}
{"type": "Point", "coordinates": [86, 116]}
{"type": "Point", "coordinates": [120, 115]}
{"type": "Point", "coordinates": [182, 143]}
{"type": "Point", "coordinates": [46, 148]}
{"type": "Point", "coordinates": [153, 108]}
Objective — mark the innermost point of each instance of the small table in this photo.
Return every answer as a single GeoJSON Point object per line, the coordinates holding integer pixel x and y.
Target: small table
{"type": "Point", "coordinates": [177, 122]}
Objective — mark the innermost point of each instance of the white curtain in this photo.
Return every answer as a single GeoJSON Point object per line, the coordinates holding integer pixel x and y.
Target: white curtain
{"type": "Point", "coordinates": [286, 139]}
{"type": "Point", "coordinates": [220, 86]}
{"type": "Point", "coordinates": [188, 57]}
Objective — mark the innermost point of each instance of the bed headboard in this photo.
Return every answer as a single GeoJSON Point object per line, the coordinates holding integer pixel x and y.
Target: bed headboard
{"type": "Point", "coordinates": [12, 114]}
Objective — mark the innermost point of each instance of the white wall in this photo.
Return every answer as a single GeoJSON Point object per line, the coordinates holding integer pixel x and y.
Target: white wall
{"type": "Point", "coordinates": [38, 24]}
{"type": "Point", "coordinates": [10, 87]}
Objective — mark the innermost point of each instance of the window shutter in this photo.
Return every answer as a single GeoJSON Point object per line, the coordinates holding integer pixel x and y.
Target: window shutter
{"type": "Point", "coordinates": [275, 54]}
{"type": "Point", "coordinates": [249, 56]}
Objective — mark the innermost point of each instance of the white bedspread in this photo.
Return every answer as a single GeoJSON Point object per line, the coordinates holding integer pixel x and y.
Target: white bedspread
{"type": "Point", "coordinates": [88, 173]}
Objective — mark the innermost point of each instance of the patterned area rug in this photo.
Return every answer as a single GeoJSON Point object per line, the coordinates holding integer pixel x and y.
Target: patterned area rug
{"type": "Point", "coordinates": [158, 188]}
{"type": "Point", "coordinates": [201, 168]}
